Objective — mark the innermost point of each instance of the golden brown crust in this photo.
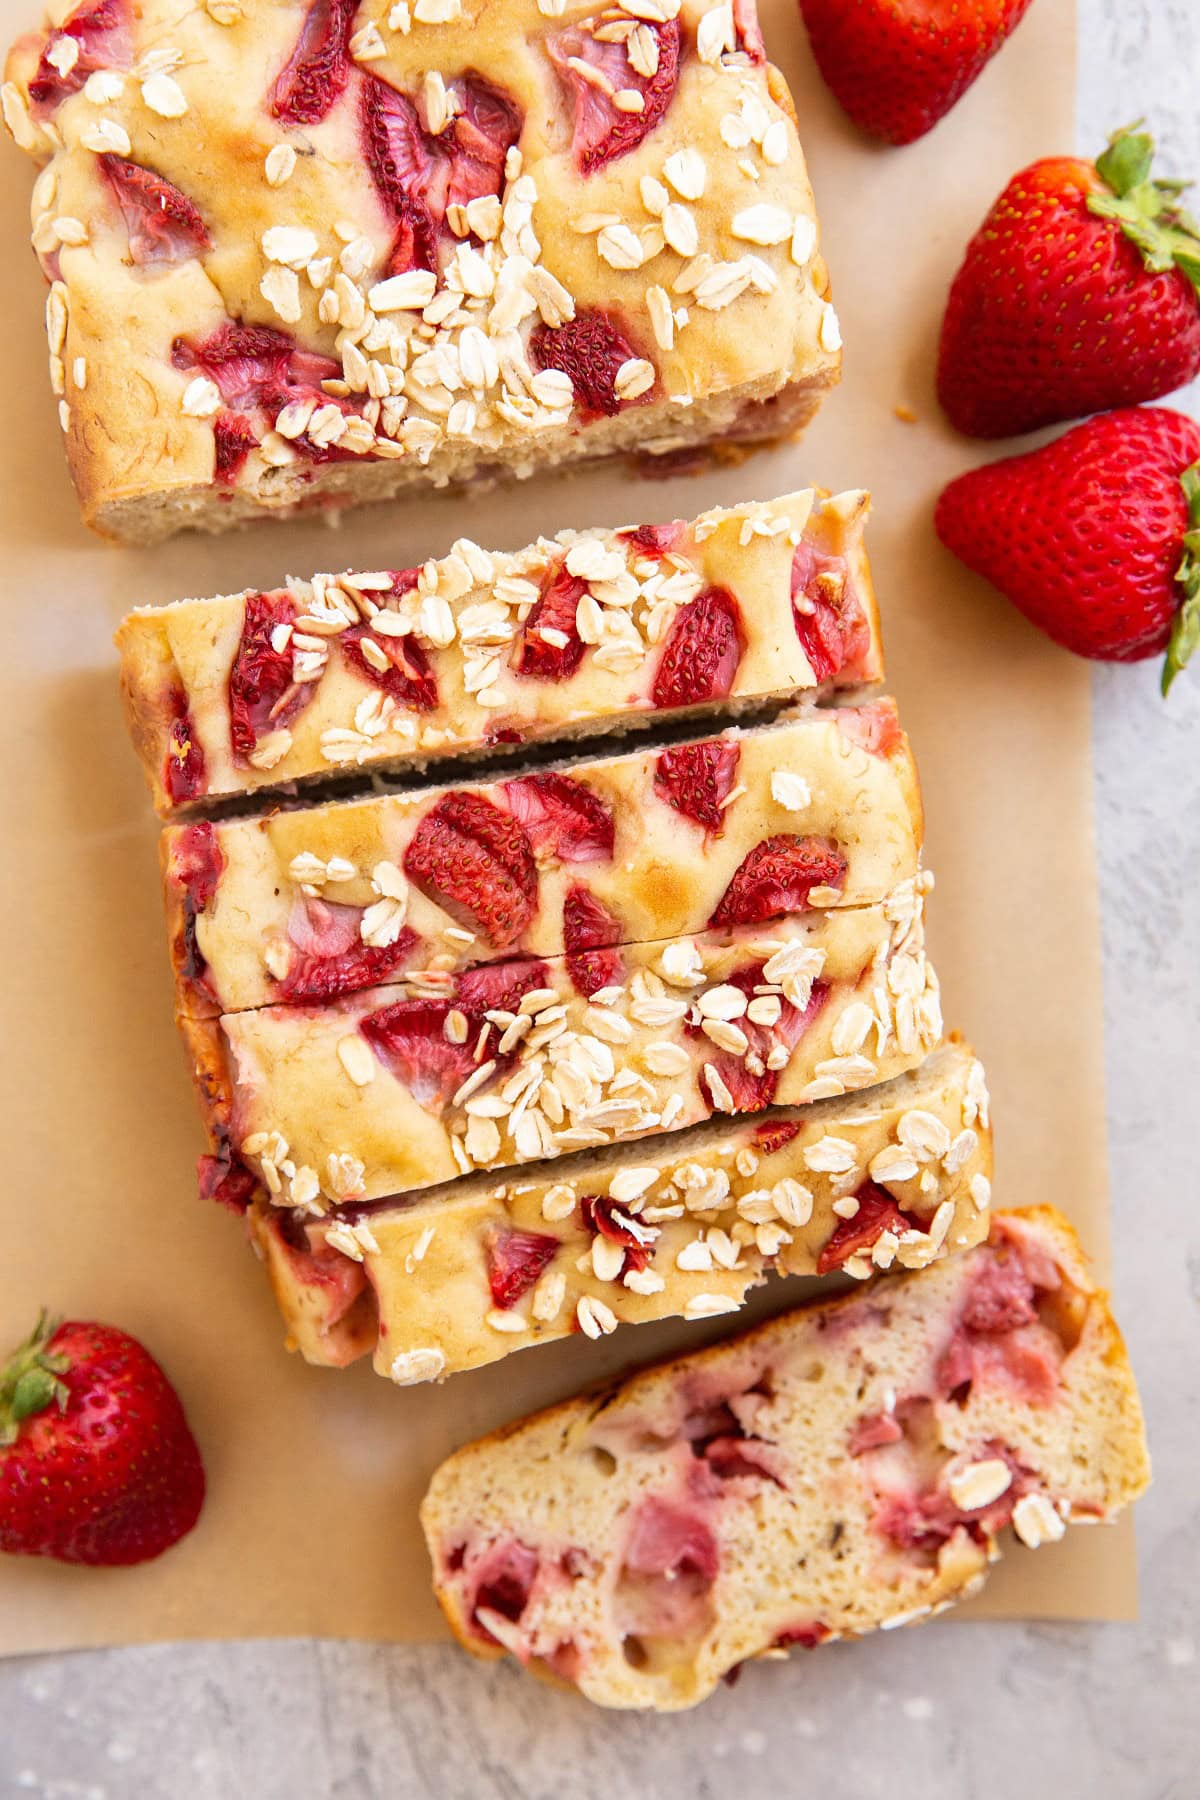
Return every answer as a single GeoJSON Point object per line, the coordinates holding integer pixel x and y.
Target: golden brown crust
{"type": "Point", "coordinates": [198, 115]}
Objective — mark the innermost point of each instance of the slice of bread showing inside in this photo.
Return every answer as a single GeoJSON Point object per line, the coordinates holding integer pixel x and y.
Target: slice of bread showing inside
{"type": "Point", "coordinates": [846, 1467]}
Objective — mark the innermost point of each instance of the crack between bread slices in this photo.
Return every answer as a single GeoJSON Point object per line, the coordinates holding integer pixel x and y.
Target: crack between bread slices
{"type": "Point", "coordinates": [563, 751]}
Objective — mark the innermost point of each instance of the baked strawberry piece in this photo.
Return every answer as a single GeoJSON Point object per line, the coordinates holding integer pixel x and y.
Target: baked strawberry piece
{"type": "Point", "coordinates": [391, 669]}
{"type": "Point", "coordinates": [682, 1227]}
{"type": "Point", "coordinates": [410, 1084]}
{"type": "Point", "coordinates": [316, 253]}
{"type": "Point", "coordinates": [849, 1466]}
{"type": "Point", "coordinates": [308, 904]}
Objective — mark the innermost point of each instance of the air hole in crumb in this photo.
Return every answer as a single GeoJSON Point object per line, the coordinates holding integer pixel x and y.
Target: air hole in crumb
{"type": "Point", "coordinates": [603, 1461]}
{"type": "Point", "coordinates": [814, 1372]}
{"type": "Point", "coordinates": [634, 1652]}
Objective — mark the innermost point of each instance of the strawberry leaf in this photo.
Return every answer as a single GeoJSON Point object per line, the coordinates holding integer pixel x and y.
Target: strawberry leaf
{"type": "Point", "coordinates": [29, 1381]}
{"type": "Point", "coordinates": [1148, 212]}
{"type": "Point", "coordinates": [1126, 162]}
{"type": "Point", "coordinates": [1185, 633]}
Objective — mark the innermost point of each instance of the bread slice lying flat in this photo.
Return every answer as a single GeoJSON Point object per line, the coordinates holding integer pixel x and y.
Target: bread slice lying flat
{"type": "Point", "coordinates": [396, 669]}
{"type": "Point", "coordinates": [846, 1467]}
{"type": "Point", "coordinates": [309, 903]}
{"type": "Point", "coordinates": [686, 1226]}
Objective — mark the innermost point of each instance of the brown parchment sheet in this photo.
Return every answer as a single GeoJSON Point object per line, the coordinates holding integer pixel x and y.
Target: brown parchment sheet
{"type": "Point", "coordinates": [315, 1476]}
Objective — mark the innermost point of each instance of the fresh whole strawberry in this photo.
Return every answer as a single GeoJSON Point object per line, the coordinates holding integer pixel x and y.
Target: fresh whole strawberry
{"type": "Point", "coordinates": [97, 1464]}
{"type": "Point", "coordinates": [1079, 292]}
{"type": "Point", "coordinates": [898, 66]}
{"type": "Point", "coordinates": [1095, 537]}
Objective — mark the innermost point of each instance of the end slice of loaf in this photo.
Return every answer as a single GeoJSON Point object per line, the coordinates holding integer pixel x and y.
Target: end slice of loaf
{"type": "Point", "coordinates": [848, 1466]}
{"type": "Point", "coordinates": [330, 258]}
{"type": "Point", "coordinates": [899, 1175]}
{"type": "Point", "coordinates": [397, 669]}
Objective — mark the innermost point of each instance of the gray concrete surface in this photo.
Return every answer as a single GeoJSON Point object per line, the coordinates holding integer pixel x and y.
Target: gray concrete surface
{"type": "Point", "coordinates": [966, 1712]}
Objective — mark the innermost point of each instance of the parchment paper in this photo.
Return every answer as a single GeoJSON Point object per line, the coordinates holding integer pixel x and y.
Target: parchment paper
{"type": "Point", "coordinates": [310, 1525]}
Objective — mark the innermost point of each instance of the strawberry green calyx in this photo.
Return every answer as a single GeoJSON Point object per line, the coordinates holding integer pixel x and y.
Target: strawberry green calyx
{"type": "Point", "coordinates": [1185, 633]}
{"type": "Point", "coordinates": [1147, 211]}
{"type": "Point", "coordinates": [29, 1380]}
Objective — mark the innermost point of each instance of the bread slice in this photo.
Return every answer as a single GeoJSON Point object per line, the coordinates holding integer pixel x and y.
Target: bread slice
{"type": "Point", "coordinates": [304, 256]}
{"type": "Point", "coordinates": [651, 624]}
{"type": "Point", "coordinates": [405, 1086]}
{"type": "Point", "coordinates": [846, 1467]}
{"type": "Point", "coordinates": [682, 1226]}
{"type": "Point", "coordinates": [306, 904]}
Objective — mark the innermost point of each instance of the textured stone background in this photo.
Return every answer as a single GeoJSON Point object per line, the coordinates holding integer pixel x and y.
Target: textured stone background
{"type": "Point", "coordinates": [949, 1712]}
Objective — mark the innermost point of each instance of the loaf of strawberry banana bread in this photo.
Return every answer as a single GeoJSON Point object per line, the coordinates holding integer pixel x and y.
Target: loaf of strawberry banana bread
{"type": "Point", "coordinates": [408, 1085]}
{"type": "Point", "coordinates": [309, 254]}
{"type": "Point", "coordinates": [846, 1467]}
{"type": "Point", "coordinates": [603, 630]}
{"type": "Point", "coordinates": [308, 903]}
{"type": "Point", "coordinates": [681, 1226]}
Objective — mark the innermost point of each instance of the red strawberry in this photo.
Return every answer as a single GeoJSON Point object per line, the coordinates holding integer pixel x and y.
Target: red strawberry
{"type": "Point", "coordinates": [601, 131]}
{"type": "Point", "coordinates": [516, 1260]}
{"type": "Point", "coordinates": [419, 175]}
{"type": "Point", "coordinates": [701, 655]}
{"type": "Point", "coordinates": [227, 1180]}
{"type": "Point", "coordinates": [750, 1082]}
{"type": "Point", "coordinates": [777, 877]}
{"type": "Point", "coordinates": [408, 679]}
{"type": "Point", "coordinates": [830, 623]}
{"type": "Point", "coordinates": [184, 773]}
{"type": "Point", "coordinates": [250, 362]}
{"type": "Point", "coordinates": [696, 779]}
{"type": "Point", "coordinates": [263, 697]}
{"type": "Point", "coordinates": [589, 932]}
{"type": "Point", "coordinates": [477, 863]}
{"type": "Point", "coordinates": [898, 66]}
{"type": "Point", "coordinates": [769, 1138]}
{"type": "Point", "coordinates": [499, 987]}
{"type": "Point", "coordinates": [316, 73]}
{"type": "Point", "coordinates": [565, 820]}
{"type": "Point", "coordinates": [605, 1218]}
{"type": "Point", "coordinates": [1095, 537]}
{"type": "Point", "coordinates": [313, 979]}
{"type": "Point", "coordinates": [550, 647]}
{"type": "Point", "coordinates": [655, 540]}
{"type": "Point", "coordinates": [590, 349]}
{"type": "Point", "coordinates": [164, 226]}
{"type": "Point", "coordinates": [410, 1036]}
{"type": "Point", "coordinates": [195, 865]}
{"type": "Point", "coordinates": [233, 439]}
{"type": "Point", "coordinates": [97, 1464]}
{"type": "Point", "coordinates": [874, 727]}
{"type": "Point", "coordinates": [259, 371]}
{"type": "Point", "coordinates": [102, 33]}
{"type": "Point", "coordinates": [1079, 292]}
{"type": "Point", "coordinates": [877, 1213]}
